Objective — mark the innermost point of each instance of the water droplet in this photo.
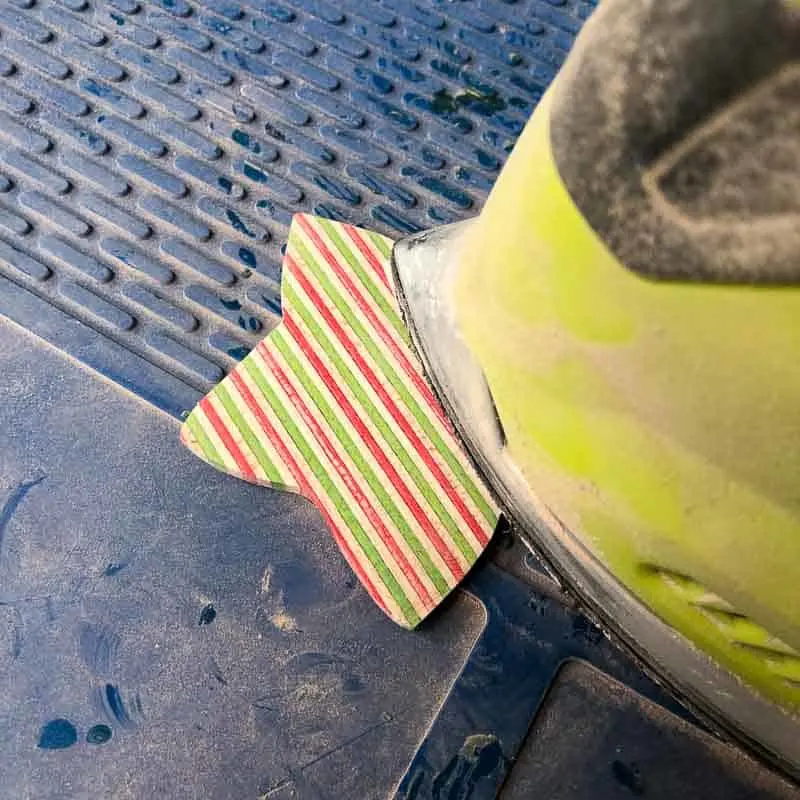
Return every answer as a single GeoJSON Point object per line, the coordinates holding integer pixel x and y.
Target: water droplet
{"type": "Point", "coordinates": [98, 734]}
{"type": "Point", "coordinates": [58, 734]}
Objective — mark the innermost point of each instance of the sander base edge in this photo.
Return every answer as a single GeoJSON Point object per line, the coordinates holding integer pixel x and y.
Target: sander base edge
{"type": "Point", "coordinates": [424, 269]}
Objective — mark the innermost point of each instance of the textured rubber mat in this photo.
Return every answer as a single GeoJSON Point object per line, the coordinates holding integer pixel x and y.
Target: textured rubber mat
{"type": "Point", "coordinates": [334, 405]}
{"type": "Point", "coordinates": [152, 153]}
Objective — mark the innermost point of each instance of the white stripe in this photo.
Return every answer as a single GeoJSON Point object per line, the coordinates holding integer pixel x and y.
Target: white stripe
{"type": "Point", "coordinates": [219, 446]}
{"type": "Point", "coordinates": [371, 276]}
{"type": "Point", "coordinates": [288, 482]}
{"type": "Point", "coordinates": [400, 374]}
{"type": "Point", "coordinates": [385, 448]}
{"type": "Point", "coordinates": [332, 470]}
{"type": "Point", "coordinates": [355, 471]}
{"type": "Point", "coordinates": [317, 487]}
{"type": "Point", "coordinates": [403, 410]}
{"type": "Point", "coordinates": [235, 434]}
{"type": "Point", "coordinates": [362, 290]}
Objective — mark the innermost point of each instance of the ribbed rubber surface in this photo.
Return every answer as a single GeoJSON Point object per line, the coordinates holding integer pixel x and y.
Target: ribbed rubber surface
{"type": "Point", "coordinates": [152, 153]}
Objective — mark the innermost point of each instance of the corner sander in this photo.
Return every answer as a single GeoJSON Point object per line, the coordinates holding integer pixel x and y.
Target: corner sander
{"type": "Point", "coordinates": [616, 340]}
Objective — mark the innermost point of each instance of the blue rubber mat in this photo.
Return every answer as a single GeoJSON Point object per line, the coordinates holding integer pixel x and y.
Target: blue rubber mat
{"type": "Point", "coordinates": [167, 631]}
{"type": "Point", "coordinates": [154, 152]}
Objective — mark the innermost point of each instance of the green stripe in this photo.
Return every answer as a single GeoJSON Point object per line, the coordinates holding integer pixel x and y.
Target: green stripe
{"type": "Point", "coordinates": [372, 287]}
{"type": "Point", "coordinates": [380, 242]}
{"type": "Point", "coordinates": [380, 423]}
{"type": "Point", "coordinates": [253, 443]}
{"type": "Point", "coordinates": [206, 445]}
{"type": "Point", "coordinates": [361, 464]}
{"type": "Point", "coordinates": [419, 414]}
{"type": "Point", "coordinates": [332, 491]}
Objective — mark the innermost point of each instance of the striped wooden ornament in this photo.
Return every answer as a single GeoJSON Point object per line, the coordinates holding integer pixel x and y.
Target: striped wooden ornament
{"type": "Point", "coordinates": [334, 404]}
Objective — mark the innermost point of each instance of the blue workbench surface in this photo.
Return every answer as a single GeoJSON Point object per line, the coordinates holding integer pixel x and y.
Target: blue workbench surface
{"type": "Point", "coordinates": [167, 631]}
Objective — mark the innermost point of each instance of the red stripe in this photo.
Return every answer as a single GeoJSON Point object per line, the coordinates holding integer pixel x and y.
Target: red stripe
{"type": "Point", "coordinates": [304, 485]}
{"type": "Point", "coordinates": [365, 250]}
{"type": "Point", "coordinates": [408, 498]}
{"type": "Point", "coordinates": [398, 416]}
{"type": "Point", "coordinates": [291, 392]}
{"type": "Point", "coordinates": [227, 439]}
{"type": "Point", "coordinates": [389, 341]}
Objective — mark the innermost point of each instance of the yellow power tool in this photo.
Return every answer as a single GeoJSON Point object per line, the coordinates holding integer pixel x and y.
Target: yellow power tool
{"type": "Point", "coordinates": [616, 338]}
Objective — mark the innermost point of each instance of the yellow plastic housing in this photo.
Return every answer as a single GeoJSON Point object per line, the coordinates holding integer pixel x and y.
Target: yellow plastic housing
{"type": "Point", "coordinates": [659, 421]}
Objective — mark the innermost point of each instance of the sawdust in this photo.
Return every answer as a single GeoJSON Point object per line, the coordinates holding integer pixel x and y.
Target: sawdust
{"type": "Point", "coordinates": [702, 98]}
{"type": "Point", "coordinates": [284, 622]}
{"type": "Point", "coordinates": [274, 606]}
